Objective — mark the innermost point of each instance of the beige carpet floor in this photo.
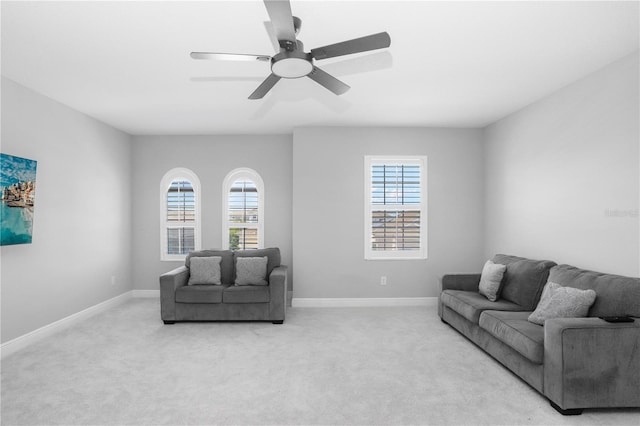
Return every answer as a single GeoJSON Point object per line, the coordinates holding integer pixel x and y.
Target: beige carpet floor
{"type": "Point", "coordinates": [342, 366]}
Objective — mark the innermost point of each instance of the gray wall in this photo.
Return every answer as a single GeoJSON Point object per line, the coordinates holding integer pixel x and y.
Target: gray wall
{"type": "Point", "coordinates": [557, 180]}
{"type": "Point", "coordinates": [562, 175]}
{"type": "Point", "coordinates": [82, 217]}
{"type": "Point", "coordinates": [211, 158]}
{"type": "Point", "coordinates": [328, 210]}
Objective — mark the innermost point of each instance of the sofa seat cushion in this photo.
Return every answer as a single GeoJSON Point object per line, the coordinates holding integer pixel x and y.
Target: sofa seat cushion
{"type": "Point", "coordinates": [246, 294]}
{"type": "Point", "coordinates": [470, 304]}
{"type": "Point", "coordinates": [200, 293]}
{"type": "Point", "coordinates": [514, 330]}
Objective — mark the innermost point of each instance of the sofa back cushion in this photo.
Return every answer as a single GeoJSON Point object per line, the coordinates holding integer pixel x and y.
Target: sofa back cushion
{"type": "Point", "coordinates": [273, 257]}
{"type": "Point", "coordinates": [523, 279]}
{"type": "Point", "coordinates": [616, 295]}
{"type": "Point", "coordinates": [227, 264]}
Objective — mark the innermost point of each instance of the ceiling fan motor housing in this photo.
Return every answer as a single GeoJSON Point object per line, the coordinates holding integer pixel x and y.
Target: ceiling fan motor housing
{"type": "Point", "coordinates": [292, 62]}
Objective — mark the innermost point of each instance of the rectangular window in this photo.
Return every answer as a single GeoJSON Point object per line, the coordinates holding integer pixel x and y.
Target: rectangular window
{"type": "Point", "coordinates": [395, 207]}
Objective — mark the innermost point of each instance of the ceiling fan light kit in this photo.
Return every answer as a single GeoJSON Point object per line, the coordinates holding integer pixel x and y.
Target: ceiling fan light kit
{"type": "Point", "coordinates": [292, 61]}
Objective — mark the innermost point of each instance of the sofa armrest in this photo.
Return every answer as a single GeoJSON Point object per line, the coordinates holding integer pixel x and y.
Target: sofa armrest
{"type": "Point", "coordinates": [591, 363]}
{"type": "Point", "coordinates": [169, 283]}
{"type": "Point", "coordinates": [467, 282]}
{"type": "Point", "coordinates": [278, 293]}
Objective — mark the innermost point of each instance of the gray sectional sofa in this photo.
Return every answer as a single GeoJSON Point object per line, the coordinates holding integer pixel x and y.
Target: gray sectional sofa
{"type": "Point", "coordinates": [180, 301]}
{"type": "Point", "coordinates": [576, 363]}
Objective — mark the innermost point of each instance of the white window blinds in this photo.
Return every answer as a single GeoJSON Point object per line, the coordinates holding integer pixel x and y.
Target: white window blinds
{"type": "Point", "coordinates": [243, 215]}
{"type": "Point", "coordinates": [180, 214]}
{"type": "Point", "coordinates": [395, 208]}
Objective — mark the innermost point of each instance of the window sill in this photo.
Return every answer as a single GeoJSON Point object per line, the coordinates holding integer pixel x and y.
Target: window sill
{"type": "Point", "coordinates": [173, 259]}
{"type": "Point", "coordinates": [396, 258]}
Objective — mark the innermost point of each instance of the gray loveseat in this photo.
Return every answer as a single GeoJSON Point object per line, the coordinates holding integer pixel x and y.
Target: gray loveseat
{"type": "Point", "coordinates": [576, 363]}
{"type": "Point", "coordinates": [225, 302]}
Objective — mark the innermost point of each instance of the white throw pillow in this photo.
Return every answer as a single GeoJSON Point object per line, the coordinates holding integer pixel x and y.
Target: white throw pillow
{"type": "Point", "coordinates": [205, 270]}
{"type": "Point", "coordinates": [562, 302]}
{"type": "Point", "coordinates": [491, 279]}
{"type": "Point", "coordinates": [251, 271]}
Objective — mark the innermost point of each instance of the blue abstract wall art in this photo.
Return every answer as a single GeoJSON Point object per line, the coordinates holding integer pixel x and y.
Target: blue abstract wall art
{"type": "Point", "coordinates": [17, 193]}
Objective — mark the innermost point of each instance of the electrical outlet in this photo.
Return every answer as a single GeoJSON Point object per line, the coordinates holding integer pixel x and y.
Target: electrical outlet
{"type": "Point", "coordinates": [383, 280]}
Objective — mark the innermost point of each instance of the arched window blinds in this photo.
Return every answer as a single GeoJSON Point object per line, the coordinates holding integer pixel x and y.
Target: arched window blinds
{"type": "Point", "coordinates": [180, 212]}
{"type": "Point", "coordinates": [243, 214]}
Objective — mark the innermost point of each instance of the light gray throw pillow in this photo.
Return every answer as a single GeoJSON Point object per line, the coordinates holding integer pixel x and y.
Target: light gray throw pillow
{"type": "Point", "coordinates": [562, 302]}
{"type": "Point", "coordinates": [205, 270]}
{"type": "Point", "coordinates": [251, 271]}
{"type": "Point", "coordinates": [491, 279]}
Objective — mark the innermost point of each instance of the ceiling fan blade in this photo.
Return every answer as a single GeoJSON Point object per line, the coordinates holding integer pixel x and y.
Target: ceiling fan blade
{"type": "Point", "coordinates": [271, 32]}
{"type": "Point", "coordinates": [214, 79]}
{"type": "Point", "coordinates": [266, 85]}
{"type": "Point", "coordinates": [282, 19]}
{"type": "Point", "coordinates": [362, 44]}
{"type": "Point", "coordinates": [360, 64]}
{"type": "Point", "coordinates": [328, 81]}
{"type": "Point", "coordinates": [230, 56]}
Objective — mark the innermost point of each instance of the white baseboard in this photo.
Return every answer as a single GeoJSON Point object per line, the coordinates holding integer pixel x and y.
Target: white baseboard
{"type": "Point", "coordinates": [300, 302]}
{"type": "Point", "coordinates": [21, 342]}
{"type": "Point", "coordinates": [146, 293]}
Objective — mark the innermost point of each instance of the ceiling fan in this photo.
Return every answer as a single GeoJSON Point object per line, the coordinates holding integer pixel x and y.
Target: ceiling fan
{"type": "Point", "coordinates": [292, 61]}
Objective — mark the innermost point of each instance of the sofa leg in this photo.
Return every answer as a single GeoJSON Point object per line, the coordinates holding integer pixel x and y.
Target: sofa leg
{"type": "Point", "coordinates": [569, 412]}
{"type": "Point", "coordinates": [169, 322]}
{"type": "Point", "coordinates": [277, 322]}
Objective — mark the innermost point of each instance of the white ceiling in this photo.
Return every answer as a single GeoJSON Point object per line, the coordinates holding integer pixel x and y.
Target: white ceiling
{"type": "Point", "coordinates": [450, 64]}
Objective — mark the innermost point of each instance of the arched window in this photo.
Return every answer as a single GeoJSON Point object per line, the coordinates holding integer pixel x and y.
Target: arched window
{"type": "Point", "coordinates": [179, 213]}
{"type": "Point", "coordinates": [243, 210]}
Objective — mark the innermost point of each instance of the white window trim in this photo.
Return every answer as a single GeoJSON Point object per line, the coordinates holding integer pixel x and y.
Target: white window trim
{"type": "Point", "coordinates": [179, 173]}
{"type": "Point", "coordinates": [370, 254]}
{"type": "Point", "coordinates": [232, 176]}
